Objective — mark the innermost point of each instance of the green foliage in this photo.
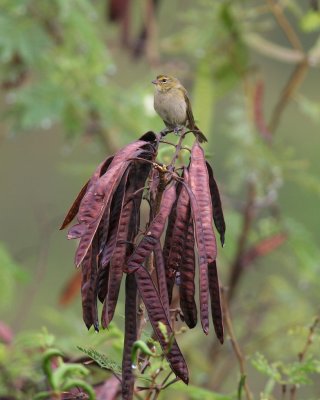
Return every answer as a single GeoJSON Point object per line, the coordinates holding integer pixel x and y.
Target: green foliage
{"type": "Point", "coordinates": [59, 49]}
{"type": "Point", "coordinates": [21, 361]}
{"type": "Point", "coordinates": [141, 346]}
{"type": "Point", "coordinates": [198, 393]}
{"type": "Point", "coordinates": [294, 373]}
{"type": "Point", "coordinates": [63, 377]}
{"type": "Point", "coordinates": [241, 386]}
{"type": "Point", "coordinates": [102, 360]}
{"type": "Point", "coordinates": [10, 274]}
{"type": "Point", "coordinates": [310, 21]}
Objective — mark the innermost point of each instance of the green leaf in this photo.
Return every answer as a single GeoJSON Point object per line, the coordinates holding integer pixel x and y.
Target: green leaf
{"type": "Point", "coordinates": [310, 22]}
{"type": "Point", "coordinates": [241, 386]}
{"type": "Point", "coordinates": [164, 332]}
{"type": "Point", "coordinates": [10, 274]}
{"type": "Point", "coordinates": [143, 347]}
{"type": "Point", "coordinates": [102, 360]}
{"type": "Point", "coordinates": [198, 393]}
{"type": "Point", "coordinates": [262, 365]}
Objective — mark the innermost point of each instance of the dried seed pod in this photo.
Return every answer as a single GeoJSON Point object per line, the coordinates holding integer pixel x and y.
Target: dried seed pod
{"type": "Point", "coordinates": [127, 223]}
{"type": "Point", "coordinates": [102, 282]}
{"type": "Point", "coordinates": [178, 238]}
{"type": "Point", "coordinates": [161, 277]}
{"type": "Point", "coordinates": [114, 221]}
{"type": "Point", "coordinates": [170, 273]}
{"type": "Point", "coordinates": [97, 200]}
{"type": "Point", "coordinates": [199, 183]}
{"type": "Point", "coordinates": [74, 208]}
{"type": "Point", "coordinates": [155, 230]}
{"type": "Point", "coordinates": [157, 314]}
{"type": "Point", "coordinates": [218, 216]}
{"type": "Point", "coordinates": [187, 275]}
{"type": "Point", "coordinates": [202, 257]}
{"type": "Point", "coordinates": [98, 196]}
{"type": "Point", "coordinates": [100, 170]}
{"type": "Point", "coordinates": [130, 336]}
{"type": "Point", "coordinates": [215, 300]}
{"type": "Point", "coordinates": [89, 287]}
{"type": "Point", "coordinates": [76, 231]}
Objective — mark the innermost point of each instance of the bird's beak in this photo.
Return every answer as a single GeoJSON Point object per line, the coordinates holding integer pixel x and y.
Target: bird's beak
{"type": "Point", "coordinates": [155, 81]}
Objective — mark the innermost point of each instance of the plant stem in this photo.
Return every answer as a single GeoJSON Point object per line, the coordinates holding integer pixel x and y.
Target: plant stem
{"type": "Point", "coordinates": [178, 149]}
{"type": "Point", "coordinates": [234, 342]}
{"type": "Point", "coordinates": [303, 353]}
{"type": "Point", "coordinates": [285, 25]}
{"type": "Point", "coordinates": [294, 82]}
{"type": "Point", "coordinates": [247, 220]}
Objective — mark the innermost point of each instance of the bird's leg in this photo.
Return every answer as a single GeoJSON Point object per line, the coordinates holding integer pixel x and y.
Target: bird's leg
{"type": "Point", "coordinates": [178, 130]}
{"type": "Point", "coordinates": [165, 131]}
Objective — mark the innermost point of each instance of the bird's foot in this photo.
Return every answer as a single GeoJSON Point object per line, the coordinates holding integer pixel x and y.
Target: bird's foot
{"type": "Point", "coordinates": [165, 131]}
{"type": "Point", "coordinates": [179, 130]}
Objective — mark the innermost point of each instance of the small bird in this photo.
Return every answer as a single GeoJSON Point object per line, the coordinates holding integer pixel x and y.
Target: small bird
{"type": "Point", "coordinates": [171, 102]}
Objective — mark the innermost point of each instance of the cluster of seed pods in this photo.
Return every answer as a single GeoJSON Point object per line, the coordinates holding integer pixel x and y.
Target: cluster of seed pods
{"type": "Point", "coordinates": [183, 207]}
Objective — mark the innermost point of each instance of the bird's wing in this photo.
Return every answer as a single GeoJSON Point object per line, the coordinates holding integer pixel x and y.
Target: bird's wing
{"type": "Point", "coordinates": [190, 116]}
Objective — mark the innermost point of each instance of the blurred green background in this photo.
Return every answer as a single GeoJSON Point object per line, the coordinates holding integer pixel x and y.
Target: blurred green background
{"type": "Point", "coordinates": [75, 79]}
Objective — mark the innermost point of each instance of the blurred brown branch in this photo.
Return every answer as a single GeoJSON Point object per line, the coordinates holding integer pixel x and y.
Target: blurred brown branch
{"type": "Point", "coordinates": [292, 85]}
{"type": "Point", "coordinates": [247, 219]}
{"type": "Point", "coordinates": [235, 345]}
{"type": "Point", "coordinates": [277, 10]}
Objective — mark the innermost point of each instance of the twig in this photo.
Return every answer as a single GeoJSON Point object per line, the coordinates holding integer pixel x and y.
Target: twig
{"type": "Point", "coordinates": [95, 128]}
{"type": "Point", "coordinates": [237, 264]}
{"type": "Point", "coordinates": [285, 25]}
{"type": "Point", "coordinates": [166, 378]}
{"type": "Point", "coordinates": [283, 391]}
{"type": "Point", "coordinates": [309, 341]}
{"type": "Point", "coordinates": [172, 144]}
{"type": "Point", "coordinates": [294, 82]}
{"type": "Point", "coordinates": [248, 216]}
{"type": "Point", "coordinates": [151, 47]}
{"type": "Point", "coordinates": [299, 72]}
{"type": "Point", "coordinates": [273, 50]}
{"type": "Point", "coordinates": [178, 148]}
{"type": "Point", "coordinates": [170, 383]}
{"type": "Point", "coordinates": [234, 342]}
{"type": "Point", "coordinates": [303, 352]}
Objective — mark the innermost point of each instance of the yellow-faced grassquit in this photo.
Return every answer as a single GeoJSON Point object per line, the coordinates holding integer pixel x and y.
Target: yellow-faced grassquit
{"type": "Point", "coordinates": [172, 103]}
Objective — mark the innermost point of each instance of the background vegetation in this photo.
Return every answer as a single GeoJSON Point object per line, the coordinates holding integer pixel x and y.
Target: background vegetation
{"type": "Point", "coordinates": [75, 86]}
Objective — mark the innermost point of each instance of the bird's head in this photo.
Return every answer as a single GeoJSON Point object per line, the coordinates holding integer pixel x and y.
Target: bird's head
{"type": "Point", "coordinates": [163, 83]}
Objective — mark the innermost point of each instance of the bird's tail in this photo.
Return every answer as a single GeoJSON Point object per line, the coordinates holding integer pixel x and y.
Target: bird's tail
{"type": "Point", "coordinates": [199, 135]}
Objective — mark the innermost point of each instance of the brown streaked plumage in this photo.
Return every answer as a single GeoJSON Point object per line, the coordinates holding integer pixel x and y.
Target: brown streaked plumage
{"type": "Point", "coordinates": [171, 102]}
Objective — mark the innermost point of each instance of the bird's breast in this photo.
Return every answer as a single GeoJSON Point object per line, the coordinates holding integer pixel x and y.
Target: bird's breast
{"type": "Point", "coordinates": [172, 107]}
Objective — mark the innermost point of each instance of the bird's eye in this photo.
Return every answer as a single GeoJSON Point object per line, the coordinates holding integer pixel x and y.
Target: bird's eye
{"type": "Point", "coordinates": [163, 80]}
